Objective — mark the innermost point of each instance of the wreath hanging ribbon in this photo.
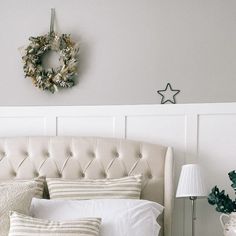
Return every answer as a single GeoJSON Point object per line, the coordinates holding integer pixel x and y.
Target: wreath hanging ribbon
{"type": "Point", "coordinates": [54, 78]}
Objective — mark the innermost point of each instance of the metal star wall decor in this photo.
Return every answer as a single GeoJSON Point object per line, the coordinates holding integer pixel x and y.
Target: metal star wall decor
{"type": "Point", "coordinates": [168, 94]}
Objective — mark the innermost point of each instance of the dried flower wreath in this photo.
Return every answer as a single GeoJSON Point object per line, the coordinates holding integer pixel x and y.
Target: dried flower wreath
{"type": "Point", "coordinates": [52, 78]}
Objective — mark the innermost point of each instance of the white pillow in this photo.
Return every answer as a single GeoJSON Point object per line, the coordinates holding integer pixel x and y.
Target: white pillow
{"type": "Point", "coordinates": [120, 217]}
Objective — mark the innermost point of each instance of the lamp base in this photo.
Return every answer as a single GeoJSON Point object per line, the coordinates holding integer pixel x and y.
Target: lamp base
{"type": "Point", "coordinates": [193, 200]}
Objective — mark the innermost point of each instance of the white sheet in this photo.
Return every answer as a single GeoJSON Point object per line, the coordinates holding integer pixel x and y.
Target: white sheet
{"type": "Point", "coordinates": [120, 217]}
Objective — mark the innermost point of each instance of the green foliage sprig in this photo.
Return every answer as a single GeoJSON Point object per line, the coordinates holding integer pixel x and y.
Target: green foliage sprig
{"type": "Point", "coordinates": [222, 201]}
{"type": "Point", "coordinates": [51, 79]}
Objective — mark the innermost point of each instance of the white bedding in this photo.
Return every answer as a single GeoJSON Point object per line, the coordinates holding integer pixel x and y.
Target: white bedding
{"type": "Point", "coordinates": [120, 217]}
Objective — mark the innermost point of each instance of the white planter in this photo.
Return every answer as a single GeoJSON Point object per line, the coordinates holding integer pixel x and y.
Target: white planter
{"type": "Point", "coordinates": [229, 226]}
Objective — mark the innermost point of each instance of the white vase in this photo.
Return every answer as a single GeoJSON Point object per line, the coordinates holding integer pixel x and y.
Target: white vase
{"type": "Point", "coordinates": [229, 225]}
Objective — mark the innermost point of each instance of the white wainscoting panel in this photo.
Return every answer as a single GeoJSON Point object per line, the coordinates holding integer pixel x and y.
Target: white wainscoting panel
{"type": "Point", "coordinates": [86, 126]}
{"type": "Point", "coordinates": [204, 133]}
{"type": "Point", "coordinates": [217, 154]}
{"type": "Point", "coordinates": [18, 126]}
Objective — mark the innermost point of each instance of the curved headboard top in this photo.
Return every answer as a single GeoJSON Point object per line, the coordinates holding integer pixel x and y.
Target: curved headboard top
{"type": "Point", "coordinates": [92, 158]}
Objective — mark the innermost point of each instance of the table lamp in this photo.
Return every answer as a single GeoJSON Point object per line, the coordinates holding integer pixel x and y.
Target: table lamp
{"type": "Point", "coordinates": [191, 185]}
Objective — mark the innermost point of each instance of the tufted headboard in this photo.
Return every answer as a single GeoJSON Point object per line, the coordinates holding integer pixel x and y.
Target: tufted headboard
{"type": "Point", "coordinates": [86, 157]}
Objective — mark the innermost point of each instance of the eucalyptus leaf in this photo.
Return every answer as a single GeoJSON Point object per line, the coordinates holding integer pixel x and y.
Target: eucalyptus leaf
{"type": "Point", "coordinates": [222, 201]}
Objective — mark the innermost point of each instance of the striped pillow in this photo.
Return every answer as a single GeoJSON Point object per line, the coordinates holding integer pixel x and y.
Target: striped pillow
{"type": "Point", "coordinates": [40, 181]}
{"type": "Point", "coordinates": [126, 188]}
{"type": "Point", "coordinates": [25, 225]}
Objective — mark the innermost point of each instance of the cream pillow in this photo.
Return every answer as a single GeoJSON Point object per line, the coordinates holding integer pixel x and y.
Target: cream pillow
{"type": "Point", "coordinates": [40, 182]}
{"type": "Point", "coordinates": [26, 225]}
{"type": "Point", "coordinates": [15, 197]}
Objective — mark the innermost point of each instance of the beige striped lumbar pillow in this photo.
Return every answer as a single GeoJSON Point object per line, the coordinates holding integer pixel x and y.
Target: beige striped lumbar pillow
{"type": "Point", "coordinates": [26, 225]}
{"type": "Point", "coordinates": [127, 188]}
{"type": "Point", "coordinates": [39, 181]}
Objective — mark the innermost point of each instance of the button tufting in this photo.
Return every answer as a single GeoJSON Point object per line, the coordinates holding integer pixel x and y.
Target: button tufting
{"type": "Point", "coordinates": [71, 154]}
{"type": "Point", "coordinates": [2, 155]}
{"type": "Point", "coordinates": [92, 154]}
{"type": "Point", "coordinates": [116, 154]}
{"type": "Point", "coordinates": [47, 154]}
{"type": "Point", "coordinates": [36, 173]}
{"type": "Point", "coordinates": [140, 155]}
{"type": "Point", "coordinates": [150, 176]}
{"type": "Point", "coordinates": [82, 175]}
{"type": "Point", "coordinates": [26, 153]}
{"type": "Point", "coordinates": [59, 175]}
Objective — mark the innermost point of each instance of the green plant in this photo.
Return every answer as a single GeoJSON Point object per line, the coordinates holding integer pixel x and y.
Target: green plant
{"type": "Point", "coordinates": [222, 201]}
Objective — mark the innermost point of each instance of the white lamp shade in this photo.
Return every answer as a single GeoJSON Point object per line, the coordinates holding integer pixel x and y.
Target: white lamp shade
{"type": "Point", "coordinates": [191, 182]}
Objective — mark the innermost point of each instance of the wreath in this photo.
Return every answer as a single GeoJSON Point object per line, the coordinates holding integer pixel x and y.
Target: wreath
{"type": "Point", "coordinates": [54, 78]}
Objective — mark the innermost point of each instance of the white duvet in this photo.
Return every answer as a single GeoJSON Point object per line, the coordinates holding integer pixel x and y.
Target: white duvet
{"type": "Point", "coordinates": [120, 217]}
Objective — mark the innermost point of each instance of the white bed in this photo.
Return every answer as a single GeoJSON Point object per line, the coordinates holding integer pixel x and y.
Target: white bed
{"type": "Point", "coordinates": [93, 158]}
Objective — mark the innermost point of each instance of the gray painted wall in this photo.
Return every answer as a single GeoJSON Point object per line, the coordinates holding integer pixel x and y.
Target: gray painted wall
{"type": "Point", "coordinates": [129, 49]}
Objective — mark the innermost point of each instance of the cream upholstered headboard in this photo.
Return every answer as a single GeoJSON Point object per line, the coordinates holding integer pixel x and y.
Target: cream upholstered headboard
{"type": "Point", "coordinates": [87, 157]}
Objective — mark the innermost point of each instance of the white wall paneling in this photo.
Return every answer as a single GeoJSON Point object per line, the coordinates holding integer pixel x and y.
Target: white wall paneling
{"type": "Point", "coordinates": [204, 133]}
{"type": "Point", "coordinates": [12, 126]}
{"type": "Point", "coordinates": [98, 126]}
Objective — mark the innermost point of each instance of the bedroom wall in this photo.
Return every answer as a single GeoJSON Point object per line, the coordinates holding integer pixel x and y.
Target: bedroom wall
{"type": "Point", "coordinates": [129, 49]}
